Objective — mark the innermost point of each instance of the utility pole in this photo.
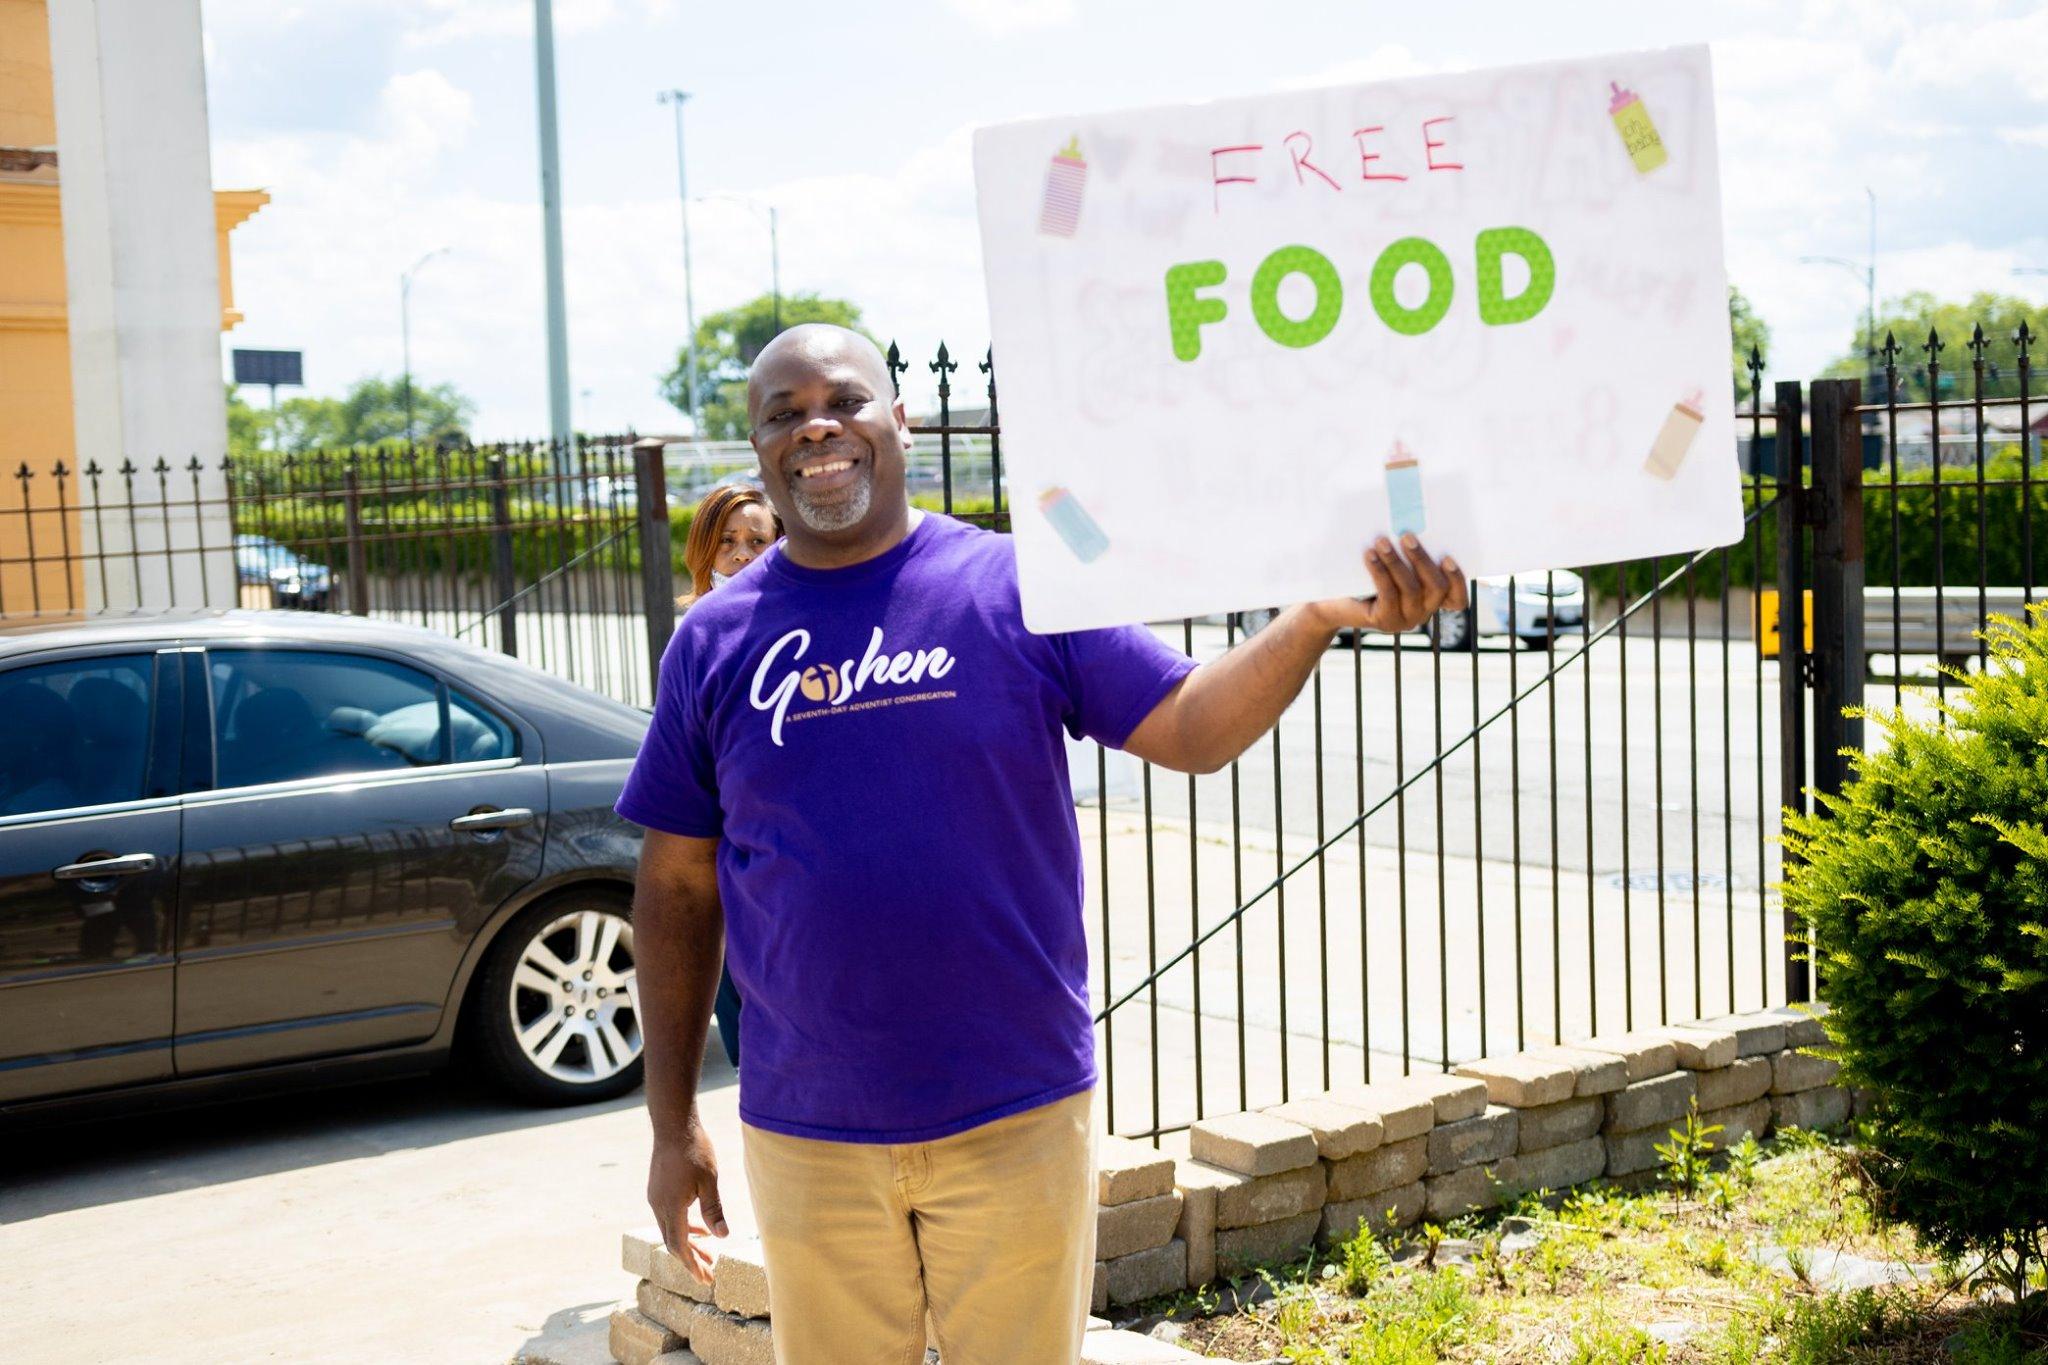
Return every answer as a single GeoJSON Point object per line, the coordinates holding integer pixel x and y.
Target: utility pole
{"type": "Point", "coordinates": [404, 333]}
{"type": "Point", "coordinates": [560, 419]}
{"type": "Point", "coordinates": [1868, 270]}
{"type": "Point", "coordinates": [676, 98]}
{"type": "Point", "coordinates": [774, 247]}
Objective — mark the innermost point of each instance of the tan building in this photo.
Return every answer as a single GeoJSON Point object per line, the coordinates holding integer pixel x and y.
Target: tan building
{"type": "Point", "coordinates": [37, 422]}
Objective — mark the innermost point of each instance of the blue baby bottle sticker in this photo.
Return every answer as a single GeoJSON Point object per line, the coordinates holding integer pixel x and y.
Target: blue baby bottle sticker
{"type": "Point", "coordinates": [1079, 530]}
{"type": "Point", "coordinates": [1404, 493]}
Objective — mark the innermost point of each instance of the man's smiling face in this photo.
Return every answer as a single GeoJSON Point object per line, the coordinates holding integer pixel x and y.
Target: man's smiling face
{"type": "Point", "coordinates": [829, 433]}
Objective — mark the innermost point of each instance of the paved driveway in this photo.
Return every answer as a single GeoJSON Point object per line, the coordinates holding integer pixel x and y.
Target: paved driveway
{"type": "Point", "coordinates": [417, 1221]}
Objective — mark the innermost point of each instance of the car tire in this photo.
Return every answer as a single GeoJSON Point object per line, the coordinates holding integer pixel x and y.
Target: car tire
{"type": "Point", "coordinates": [1453, 631]}
{"type": "Point", "coordinates": [1250, 623]}
{"type": "Point", "coordinates": [568, 959]}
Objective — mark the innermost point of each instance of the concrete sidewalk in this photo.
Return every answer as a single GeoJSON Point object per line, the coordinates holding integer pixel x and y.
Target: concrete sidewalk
{"type": "Point", "coordinates": [430, 1221]}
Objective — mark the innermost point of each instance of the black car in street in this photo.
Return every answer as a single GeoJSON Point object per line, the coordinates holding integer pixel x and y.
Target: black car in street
{"type": "Point", "coordinates": [244, 849]}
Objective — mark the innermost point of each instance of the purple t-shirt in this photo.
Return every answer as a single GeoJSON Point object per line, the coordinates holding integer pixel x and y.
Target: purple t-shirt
{"type": "Point", "coordinates": [878, 750]}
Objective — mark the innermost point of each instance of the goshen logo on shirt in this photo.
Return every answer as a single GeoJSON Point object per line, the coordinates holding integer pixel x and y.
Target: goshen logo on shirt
{"type": "Point", "coordinates": [835, 686]}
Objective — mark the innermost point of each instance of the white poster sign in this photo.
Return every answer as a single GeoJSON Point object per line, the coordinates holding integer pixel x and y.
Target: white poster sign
{"type": "Point", "coordinates": [1237, 341]}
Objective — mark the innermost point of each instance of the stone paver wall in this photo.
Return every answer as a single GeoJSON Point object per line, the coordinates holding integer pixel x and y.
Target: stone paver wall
{"type": "Point", "coordinates": [1272, 1184]}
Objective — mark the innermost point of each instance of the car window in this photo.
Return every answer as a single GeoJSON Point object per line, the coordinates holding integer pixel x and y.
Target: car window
{"type": "Point", "coordinates": [475, 734]}
{"type": "Point", "coordinates": [73, 733]}
{"type": "Point", "coordinates": [284, 714]}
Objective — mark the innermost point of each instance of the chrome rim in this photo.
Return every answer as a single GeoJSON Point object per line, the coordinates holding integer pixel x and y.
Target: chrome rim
{"type": "Point", "coordinates": [575, 1001]}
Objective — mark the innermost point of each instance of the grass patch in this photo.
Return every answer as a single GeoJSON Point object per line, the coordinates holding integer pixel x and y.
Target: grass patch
{"type": "Point", "coordinates": [1673, 1275]}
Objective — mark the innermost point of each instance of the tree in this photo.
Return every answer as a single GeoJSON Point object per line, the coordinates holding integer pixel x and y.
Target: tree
{"type": "Point", "coordinates": [1749, 331]}
{"type": "Point", "coordinates": [1909, 319]}
{"type": "Point", "coordinates": [248, 428]}
{"type": "Point", "coordinates": [727, 343]}
{"type": "Point", "coordinates": [373, 410]}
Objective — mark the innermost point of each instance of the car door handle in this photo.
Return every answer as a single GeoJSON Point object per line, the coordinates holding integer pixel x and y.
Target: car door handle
{"type": "Point", "coordinates": [483, 821]}
{"type": "Point", "coordinates": [125, 865]}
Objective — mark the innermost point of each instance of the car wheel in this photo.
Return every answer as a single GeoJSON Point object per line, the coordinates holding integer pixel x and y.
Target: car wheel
{"type": "Point", "coordinates": [1250, 623]}
{"type": "Point", "coordinates": [557, 1007]}
{"type": "Point", "coordinates": [1453, 630]}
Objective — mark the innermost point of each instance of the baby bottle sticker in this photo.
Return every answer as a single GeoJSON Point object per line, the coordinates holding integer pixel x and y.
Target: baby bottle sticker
{"type": "Point", "coordinates": [1060, 213]}
{"type": "Point", "coordinates": [1404, 493]}
{"type": "Point", "coordinates": [1638, 134]}
{"type": "Point", "coordinates": [1079, 530]}
{"type": "Point", "coordinates": [1674, 441]}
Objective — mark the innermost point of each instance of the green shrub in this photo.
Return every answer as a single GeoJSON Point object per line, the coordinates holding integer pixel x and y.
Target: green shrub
{"type": "Point", "coordinates": [1925, 887]}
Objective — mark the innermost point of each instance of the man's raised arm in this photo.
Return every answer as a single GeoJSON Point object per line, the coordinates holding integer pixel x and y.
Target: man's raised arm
{"type": "Point", "coordinates": [1220, 708]}
{"type": "Point", "coordinates": [678, 941]}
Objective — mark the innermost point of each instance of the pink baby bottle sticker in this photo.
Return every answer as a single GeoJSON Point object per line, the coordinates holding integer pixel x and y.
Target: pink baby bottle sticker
{"type": "Point", "coordinates": [1060, 213]}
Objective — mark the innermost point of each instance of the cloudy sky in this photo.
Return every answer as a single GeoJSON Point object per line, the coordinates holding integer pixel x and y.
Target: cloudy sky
{"type": "Point", "coordinates": [384, 129]}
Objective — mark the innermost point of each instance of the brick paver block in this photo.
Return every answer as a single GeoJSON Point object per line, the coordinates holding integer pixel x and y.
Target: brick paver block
{"type": "Point", "coordinates": [1396, 1163]}
{"type": "Point", "coordinates": [1454, 1097]}
{"type": "Point", "coordinates": [1403, 1114]}
{"type": "Point", "coordinates": [1250, 1200]}
{"type": "Point", "coordinates": [1124, 1229]}
{"type": "Point", "coordinates": [739, 1279]}
{"type": "Point", "coordinates": [727, 1339]}
{"type": "Point", "coordinates": [1738, 1121]}
{"type": "Point", "coordinates": [1385, 1212]}
{"type": "Point", "coordinates": [1803, 1027]}
{"type": "Point", "coordinates": [1740, 1083]}
{"type": "Point", "coordinates": [1522, 1080]}
{"type": "Point", "coordinates": [1127, 1279]}
{"type": "Point", "coordinates": [1594, 1073]}
{"type": "Point", "coordinates": [672, 1311]}
{"type": "Point", "coordinates": [1199, 1187]}
{"type": "Point", "coordinates": [673, 1275]}
{"type": "Point", "coordinates": [1820, 1108]}
{"type": "Point", "coordinates": [1645, 1054]}
{"type": "Point", "coordinates": [1473, 1142]}
{"type": "Point", "coordinates": [1793, 1071]}
{"type": "Point", "coordinates": [637, 1339]}
{"type": "Point", "coordinates": [1469, 1189]}
{"type": "Point", "coordinates": [1130, 1348]}
{"type": "Point", "coordinates": [1559, 1167]}
{"type": "Point", "coordinates": [1340, 1130]}
{"type": "Point", "coordinates": [1553, 1125]}
{"type": "Point", "coordinates": [1239, 1249]}
{"type": "Point", "coordinates": [1756, 1034]}
{"type": "Point", "coordinates": [636, 1252]}
{"type": "Point", "coordinates": [1628, 1153]}
{"type": "Point", "coordinates": [1128, 1171]}
{"type": "Point", "coordinates": [1647, 1104]}
{"type": "Point", "coordinates": [1252, 1144]}
{"type": "Point", "coordinates": [1702, 1049]}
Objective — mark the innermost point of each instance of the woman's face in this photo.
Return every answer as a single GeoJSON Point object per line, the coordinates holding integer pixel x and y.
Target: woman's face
{"type": "Point", "coordinates": [748, 531]}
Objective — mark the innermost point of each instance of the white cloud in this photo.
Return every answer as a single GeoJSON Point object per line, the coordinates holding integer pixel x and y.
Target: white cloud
{"type": "Point", "coordinates": [1014, 16]}
{"type": "Point", "coordinates": [1387, 62]}
{"type": "Point", "coordinates": [432, 22]}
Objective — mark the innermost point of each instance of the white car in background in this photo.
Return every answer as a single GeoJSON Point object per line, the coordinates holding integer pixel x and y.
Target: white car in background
{"type": "Point", "coordinates": [1522, 606]}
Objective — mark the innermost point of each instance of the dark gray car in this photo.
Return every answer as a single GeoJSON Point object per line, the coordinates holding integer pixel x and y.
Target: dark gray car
{"type": "Point", "coordinates": [251, 848]}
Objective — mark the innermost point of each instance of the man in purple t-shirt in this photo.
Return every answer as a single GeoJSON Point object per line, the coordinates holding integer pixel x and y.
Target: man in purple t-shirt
{"type": "Point", "coordinates": [856, 778]}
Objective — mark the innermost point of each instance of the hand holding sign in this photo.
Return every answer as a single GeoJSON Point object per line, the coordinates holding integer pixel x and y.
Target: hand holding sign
{"type": "Point", "coordinates": [1409, 589]}
{"type": "Point", "coordinates": [1488, 308]}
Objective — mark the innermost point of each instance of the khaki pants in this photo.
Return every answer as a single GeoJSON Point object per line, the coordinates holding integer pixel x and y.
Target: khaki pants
{"type": "Point", "coordinates": [992, 1230]}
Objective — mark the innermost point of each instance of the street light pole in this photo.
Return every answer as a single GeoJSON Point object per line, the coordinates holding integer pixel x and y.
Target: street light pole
{"type": "Point", "coordinates": [676, 97]}
{"type": "Point", "coordinates": [405, 334]}
{"type": "Point", "coordinates": [1868, 270]}
{"type": "Point", "coordinates": [560, 420]}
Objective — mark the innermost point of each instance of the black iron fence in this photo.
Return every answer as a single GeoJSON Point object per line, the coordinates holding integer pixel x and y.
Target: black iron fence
{"type": "Point", "coordinates": [1551, 816]}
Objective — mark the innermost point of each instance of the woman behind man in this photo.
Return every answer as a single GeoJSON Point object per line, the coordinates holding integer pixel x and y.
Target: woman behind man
{"type": "Point", "coordinates": [730, 529]}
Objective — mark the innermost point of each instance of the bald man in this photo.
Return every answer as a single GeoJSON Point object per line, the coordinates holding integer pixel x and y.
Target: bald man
{"type": "Point", "coordinates": [856, 778]}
